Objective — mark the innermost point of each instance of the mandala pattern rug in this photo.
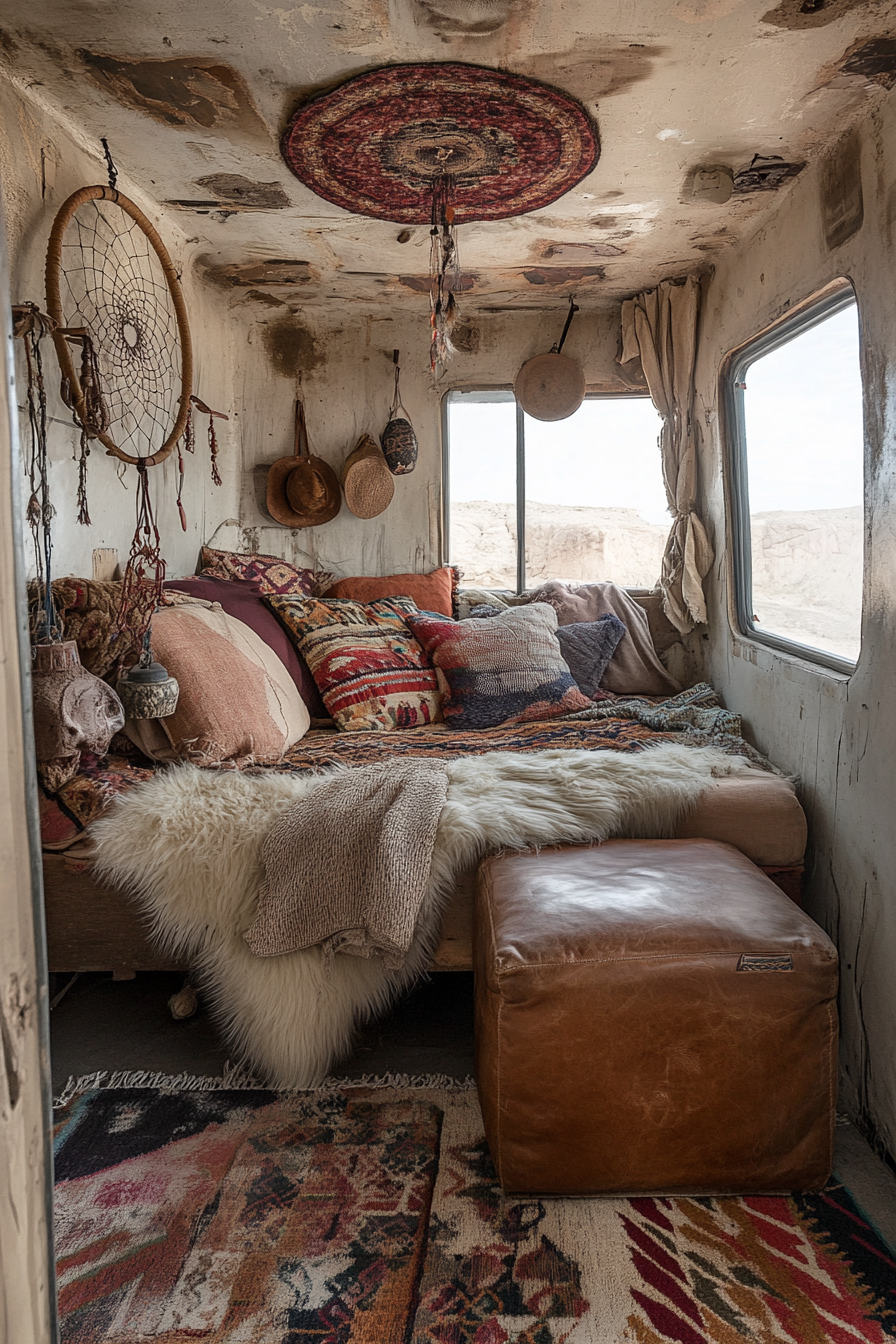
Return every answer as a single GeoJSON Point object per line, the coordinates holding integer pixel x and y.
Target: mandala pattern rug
{"type": "Point", "coordinates": [370, 1215]}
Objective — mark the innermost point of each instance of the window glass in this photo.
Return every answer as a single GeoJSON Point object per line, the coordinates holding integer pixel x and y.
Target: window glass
{"type": "Point", "coordinates": [803, 431]}
{"type": "Point", "coordinates": [482, 489]}
{"type": "Point", "coordinates": [591, 490]}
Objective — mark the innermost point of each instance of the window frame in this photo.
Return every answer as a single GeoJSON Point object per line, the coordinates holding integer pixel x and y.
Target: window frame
{"type": "Point", "coordinates": [811, 313]}
{"type": "Point", "coordinates": [504, 392]}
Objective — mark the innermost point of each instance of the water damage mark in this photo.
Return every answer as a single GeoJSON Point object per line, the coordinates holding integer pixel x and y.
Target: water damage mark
{"type": "Point", "coordinates": [574, 252]}
{"type": "Point", "coordinates": [267, 300]}
{"type": "Point", "coordinates": [466, 337]}
{"type": "Point", "coordinates": [797, 14]}
{"type": "Point", "coordinates": [842, 206]}
{"type": "Point", "coordinates": [180, 92]}
{"type": "Point", "coordinates": [241, 193]}
{"type": "Point", "coordinates": [874, 60]}
{"type": "Point", "coordinates": [421, 284]}
{"type": "Point", "coordinates": [765, 172]}
{"type": "Point", "coordinates": [254, 273]}
{"type": "Point", "coordinates": [591, 71]}
{"type": "Point", "coordinates": [563, 275]}
{"type": "Point", "coordinates": [291, 347]}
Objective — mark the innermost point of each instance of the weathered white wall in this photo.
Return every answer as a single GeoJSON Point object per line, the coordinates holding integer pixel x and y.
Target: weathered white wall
{"type": "Point", "coordinates": [41, 164]}
{"type": "Point", "coordinates": [837, 734]}
{"type": "Point", "coordinates": [345, 362]}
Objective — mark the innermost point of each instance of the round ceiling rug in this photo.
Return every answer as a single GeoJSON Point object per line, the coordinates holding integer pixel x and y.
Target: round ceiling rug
{"type": "Point", "coordinates": [378, 143]}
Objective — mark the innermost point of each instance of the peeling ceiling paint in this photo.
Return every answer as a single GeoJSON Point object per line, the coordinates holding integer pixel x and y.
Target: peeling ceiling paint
{"type": "Point", "coordinates": [194, 99]}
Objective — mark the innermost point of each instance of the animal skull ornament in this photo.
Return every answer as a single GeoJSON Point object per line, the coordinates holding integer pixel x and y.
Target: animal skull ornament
{"type": "Point", "coordinates": [74, 711]}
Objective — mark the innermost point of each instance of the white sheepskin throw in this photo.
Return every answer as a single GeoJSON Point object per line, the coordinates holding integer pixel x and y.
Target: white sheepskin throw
{"type": "Point", "coordinates": [187, 845]}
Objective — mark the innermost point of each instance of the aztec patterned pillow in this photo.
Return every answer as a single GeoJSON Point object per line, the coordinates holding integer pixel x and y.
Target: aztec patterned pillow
{"type": "Point", "coordinates": [272, 574]}
{"type": "Point", "coordinates": [508, 669]}
{"type": "Point", "coordinates": [373, 675]}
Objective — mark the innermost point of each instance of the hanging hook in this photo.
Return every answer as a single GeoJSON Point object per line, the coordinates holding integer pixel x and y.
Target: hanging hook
{"type": "Point", "coordinates": [573, 308]}
{"type": "Point", "coordinates": [110, 165]}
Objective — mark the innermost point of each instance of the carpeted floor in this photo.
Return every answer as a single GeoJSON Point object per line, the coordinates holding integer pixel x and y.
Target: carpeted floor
{"type": "Point", "coordinates": [370, 1215]}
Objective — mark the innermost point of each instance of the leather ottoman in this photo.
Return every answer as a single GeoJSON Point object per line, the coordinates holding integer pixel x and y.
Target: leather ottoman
{"type": "Point", "coordinates": [652, 1016]}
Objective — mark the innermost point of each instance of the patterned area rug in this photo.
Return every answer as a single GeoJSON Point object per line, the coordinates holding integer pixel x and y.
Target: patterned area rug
{"type": "Point", "coordinates": [370, 1215]}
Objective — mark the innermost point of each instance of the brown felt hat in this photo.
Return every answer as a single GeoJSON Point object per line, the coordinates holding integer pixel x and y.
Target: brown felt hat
{"type": "Point", "coordinates": [550, 387]}
{"type": "Point", "coordinates": [302, 490]}
{"type": "Point", "coordinates": [367, 480]}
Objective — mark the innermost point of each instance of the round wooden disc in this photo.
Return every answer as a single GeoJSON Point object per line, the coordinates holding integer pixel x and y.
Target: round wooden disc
{"type": "Point", "coordinates": [550, 387]}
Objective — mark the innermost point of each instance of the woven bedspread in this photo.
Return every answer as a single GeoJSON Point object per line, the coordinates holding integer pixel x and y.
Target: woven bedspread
{"type": "Point", "coordinates": [695, 716]}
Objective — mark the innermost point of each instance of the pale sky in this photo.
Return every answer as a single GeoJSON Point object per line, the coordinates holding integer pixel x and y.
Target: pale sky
{"type": "Point", "coordinates": [804, 429]}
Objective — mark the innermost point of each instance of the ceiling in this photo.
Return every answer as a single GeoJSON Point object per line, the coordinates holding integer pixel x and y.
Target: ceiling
{"type": "Point", "coordinates": [194, 98]}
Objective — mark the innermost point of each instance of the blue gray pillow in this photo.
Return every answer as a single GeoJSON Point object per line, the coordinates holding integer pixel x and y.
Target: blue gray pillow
{"type": "Point", "coordinates": [587, 647]}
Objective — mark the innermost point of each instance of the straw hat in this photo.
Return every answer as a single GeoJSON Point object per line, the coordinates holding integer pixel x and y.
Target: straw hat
{"type": "Point", "coordinates": [302, 490]}
{"type": "Point", "coordinates": [550, 387]}
{"type": "Point", "coordinates": [367, 480]}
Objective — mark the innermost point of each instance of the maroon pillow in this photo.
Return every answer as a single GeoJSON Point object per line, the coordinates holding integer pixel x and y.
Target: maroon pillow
{"type": "Point", "coordinates": [242, 599]}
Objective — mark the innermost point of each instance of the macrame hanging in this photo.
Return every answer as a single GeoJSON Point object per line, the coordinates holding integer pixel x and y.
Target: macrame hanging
{"type": "Point", "coordinates": [187, 443]}
{"type": "Point", "coordinates": [31, 325]}
{"type": "Point", "coordinates": [443, 145]}
{"type": "Point", "coordinates": [444, 273]}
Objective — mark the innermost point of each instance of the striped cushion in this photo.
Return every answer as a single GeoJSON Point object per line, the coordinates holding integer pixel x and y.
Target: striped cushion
{"type": "Point", "coordinates": [508, 669]}
{"type": "Point", "coordinates": [372, 674]}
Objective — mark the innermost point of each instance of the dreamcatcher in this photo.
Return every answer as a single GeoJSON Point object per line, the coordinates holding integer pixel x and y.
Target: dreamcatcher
{"type": "Point", "coordinates": [123, 342]}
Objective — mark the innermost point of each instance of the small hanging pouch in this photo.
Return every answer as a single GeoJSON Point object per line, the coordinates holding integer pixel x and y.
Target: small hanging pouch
{"type": "Point", "coordinates": [398, 439]}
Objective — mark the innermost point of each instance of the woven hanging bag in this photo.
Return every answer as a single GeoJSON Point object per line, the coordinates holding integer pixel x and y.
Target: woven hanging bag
{"type": "Point", "coordinates": [366, 479]}
{"type": "Point", "coordinates": [398, 438]}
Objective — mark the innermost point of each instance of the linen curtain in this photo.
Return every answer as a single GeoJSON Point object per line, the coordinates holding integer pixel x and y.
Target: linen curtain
{"type": "Point", "coordinates": [659, 327]}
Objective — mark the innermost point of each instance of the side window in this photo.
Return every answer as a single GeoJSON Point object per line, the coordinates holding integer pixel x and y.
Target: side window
{"type": "Point", "coordinates": [580, 499]}
{"type": "Point", "coordinates": [796, 441]}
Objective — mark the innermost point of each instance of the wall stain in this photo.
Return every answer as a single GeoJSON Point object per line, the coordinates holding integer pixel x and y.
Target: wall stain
{"type": "Point", "coordinates": [242, 191]}
{"type": "Point", "coordinates": [796, 14]}
{"type": "Point", "coordinates": [765, 173]}
{"type": "Point", "coordinates": [291, 347]}
{"type": "Point", "coordinates": [254, 273]}
{"type": "Point", "coordinates": [179, 92]}
{"type": "Point", "coordinates": [269, 300]}
{"type": "Point", "coordinates": [420, 284]}
{"type": "Point", "coordinates": [591, 71]}
{"type": "Point", "coordinates": [563, 275]}
{"type": "Point", "coordinates": [466, 337]}
{"type": "Point", "coordinates": [842, 207]}
{"type": "Point", "coordinates": [874, 60]}
{"type": "Point", "coordinates": [572, 252]}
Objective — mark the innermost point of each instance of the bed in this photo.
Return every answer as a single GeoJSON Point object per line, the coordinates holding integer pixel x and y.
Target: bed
{"type": "Point", "coordinates": [91, 927]}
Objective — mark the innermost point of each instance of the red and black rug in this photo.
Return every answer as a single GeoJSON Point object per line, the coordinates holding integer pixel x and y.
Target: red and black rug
{"type": "Point", "coordinates": [371, 1215]}
{"type": "Point", "coordinates": [377, 143]}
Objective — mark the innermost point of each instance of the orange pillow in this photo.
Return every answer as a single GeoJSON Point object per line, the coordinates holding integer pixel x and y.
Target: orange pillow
{"type": "Point", "coordinates": [431, 592]}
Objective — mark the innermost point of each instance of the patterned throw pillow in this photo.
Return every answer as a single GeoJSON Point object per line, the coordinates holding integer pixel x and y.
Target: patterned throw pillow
{"type": "Point", "coordinates": [373, 675]}
{"type": "Point", "coordinates": [587, 647]}
{"type": "Point", "coordinates": [272, 574]}
{"type": "Point", "coordinates": [508, 669]}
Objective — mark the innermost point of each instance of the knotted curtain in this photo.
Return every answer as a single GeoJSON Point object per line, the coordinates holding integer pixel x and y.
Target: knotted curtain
{"type": "Point", "coordinates": [660, 327]}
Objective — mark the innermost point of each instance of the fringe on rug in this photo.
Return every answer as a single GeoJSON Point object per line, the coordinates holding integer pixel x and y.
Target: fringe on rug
{"type": "Point", "coordinates": [240, 1080]}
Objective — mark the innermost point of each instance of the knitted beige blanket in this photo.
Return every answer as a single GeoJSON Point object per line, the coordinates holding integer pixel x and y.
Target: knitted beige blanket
{"type": "Point", "coordinates": [347, 867]}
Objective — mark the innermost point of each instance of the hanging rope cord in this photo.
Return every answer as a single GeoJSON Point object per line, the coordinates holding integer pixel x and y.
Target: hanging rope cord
{"type": "Point", "coordinates": [31, 325]}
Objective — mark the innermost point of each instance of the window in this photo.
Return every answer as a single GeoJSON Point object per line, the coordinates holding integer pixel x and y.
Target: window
{"type": "Point", "coordinates": [795, 408]}
{"type": "Point", "coordinates": [580, 499]}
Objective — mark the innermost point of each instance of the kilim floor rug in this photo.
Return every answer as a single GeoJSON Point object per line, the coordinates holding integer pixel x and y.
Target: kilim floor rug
{"type": "Point", "coordinates": [365, 1214]}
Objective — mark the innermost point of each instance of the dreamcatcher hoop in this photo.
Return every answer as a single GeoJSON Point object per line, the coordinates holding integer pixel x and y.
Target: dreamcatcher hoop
{"type": "Point", "coordinates": [78, 396]}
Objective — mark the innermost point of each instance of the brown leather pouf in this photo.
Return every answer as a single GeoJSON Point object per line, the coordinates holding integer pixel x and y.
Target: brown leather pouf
{"type": "Point", "coordinates": [652, 1016]}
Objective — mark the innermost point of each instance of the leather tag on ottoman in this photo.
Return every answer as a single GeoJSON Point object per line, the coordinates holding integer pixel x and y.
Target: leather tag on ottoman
{"type": "Point", "coordinates": [652, 1016]}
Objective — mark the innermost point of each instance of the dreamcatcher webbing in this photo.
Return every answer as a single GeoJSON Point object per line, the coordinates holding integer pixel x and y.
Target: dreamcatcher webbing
{"type": "Point", "coordinates": [115, 289]}
{"type": "Point", "coordinates": [110, 278]}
